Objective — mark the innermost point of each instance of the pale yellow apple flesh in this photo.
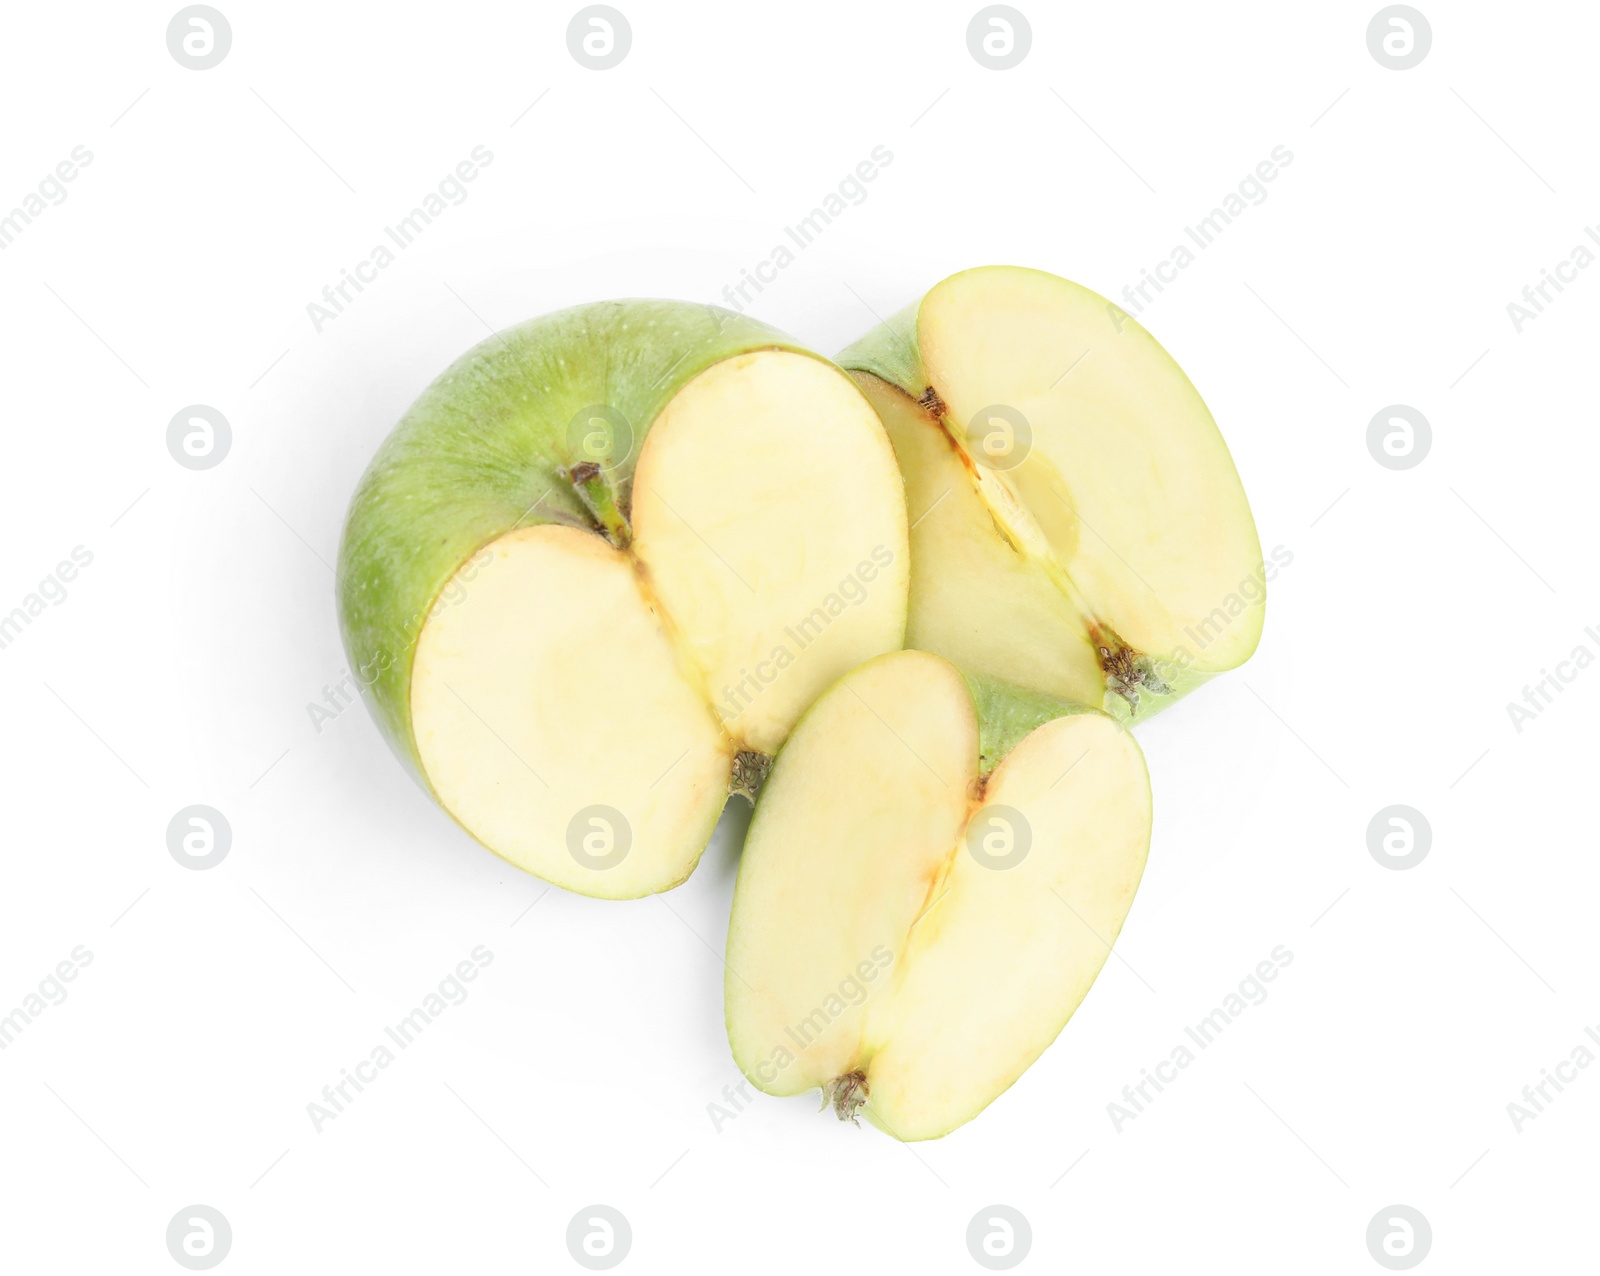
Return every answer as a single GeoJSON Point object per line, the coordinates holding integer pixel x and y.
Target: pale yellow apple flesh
{"type": "Point", "coordinates": [759, 497]}
{"type": "Point", "coordinates": [975, 597]}
{"type": "Point", "coordinates": [1118, 541]}
{"type": "Point", "coordinates": [766, 559]}
{"type": "Point", "coordinates": [872, 952]}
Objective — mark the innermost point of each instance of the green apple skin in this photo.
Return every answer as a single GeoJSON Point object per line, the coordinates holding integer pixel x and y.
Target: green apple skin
{"type": "Point", "coordinates": [892, 353]}
{"type": "Point", "coordinates": [482, 452]}
{"type": "Point", "coordinates": [1007, 714]}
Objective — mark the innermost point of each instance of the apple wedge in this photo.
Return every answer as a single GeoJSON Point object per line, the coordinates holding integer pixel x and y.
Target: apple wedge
{"type": "Point", "coordinates": [1078, 524]}
{"type": "Point", "coordinates": [935, 873]}
{"type": "Point", "coordinates": [600, 568]}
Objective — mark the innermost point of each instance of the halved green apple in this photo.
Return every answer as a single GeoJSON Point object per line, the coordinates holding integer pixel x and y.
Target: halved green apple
{"type": "Point", "coordinates": [1078, 524]}
{"type": "Point", "coordinates": [601, 567]}
{"type": "Point", "coordinates": [935, 873]}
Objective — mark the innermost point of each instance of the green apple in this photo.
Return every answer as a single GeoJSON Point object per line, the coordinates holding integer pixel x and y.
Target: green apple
{"type": "Point", "coordinates": [935, 873]}
{"type": "Point", "coordinates": [1078, 524]}
{"type": "Point", "coordinates": [600, 568]}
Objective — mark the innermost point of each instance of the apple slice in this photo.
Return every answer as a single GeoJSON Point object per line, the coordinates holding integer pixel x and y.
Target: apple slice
{"type": "Point", "coordinates": [1080, 528]}
{"type": "Point", "coordinates": [601, 567]}
{"type": "Point", "coordinates": [935, 873]}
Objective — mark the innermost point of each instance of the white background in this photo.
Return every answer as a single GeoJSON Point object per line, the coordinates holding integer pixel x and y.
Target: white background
{"type": "Point", "coordinates": [179, 668]}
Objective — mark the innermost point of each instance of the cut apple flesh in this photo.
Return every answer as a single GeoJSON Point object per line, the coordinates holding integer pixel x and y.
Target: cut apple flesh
{"type": "Point", "coordinates": [593, 691]}
{"type": "Point", "coordinates": [908, 934]}
{"type": "Point", "coordinates": [1119, 539]}
{"type": "Point", "coordinates": [975, 597]}
{"type": "Point", "coordinates": [761, 527]}
{"type": "Point", "coordinates": [549, 688]}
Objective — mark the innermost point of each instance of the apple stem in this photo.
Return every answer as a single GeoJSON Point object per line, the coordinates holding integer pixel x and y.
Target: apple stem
{"type": "Point", "coordinates": [847, 1093]}
{"type": "Point", "coordinates": [1127, 670]}
{"type": "Point", "coordinates": [595, 490]}
{"type": "Point", "coordinates": [932, 402]}
{"type": "Point", "coordinates": [749, 773]}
